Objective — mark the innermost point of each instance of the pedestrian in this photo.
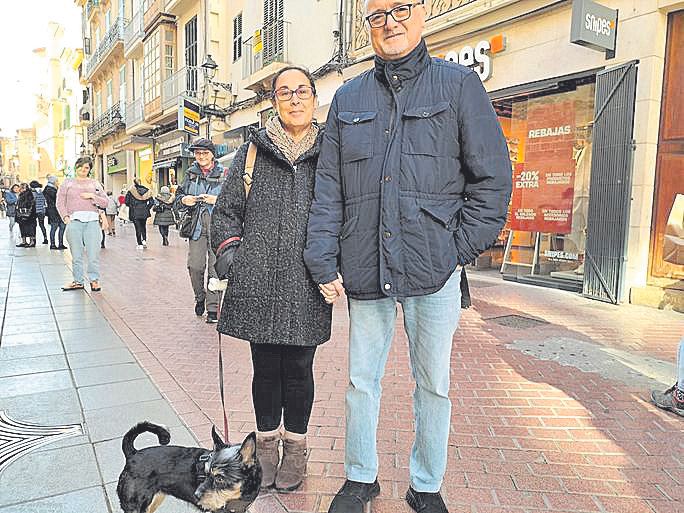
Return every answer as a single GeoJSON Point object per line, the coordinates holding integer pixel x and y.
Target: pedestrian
{"type": "Point", "coordinates": [3, 203]}
{"type": "Point", "coordinates": [672, 399]}
{"type": "Point", "coordinates": [271, 301]}
{"type": "Point", "coordinates": [111, 211]}
{"type": "Point", "coordinates": [57, 226]}
{"type": "Point", "coordinates": [413, 182]}
{"type": "Point", "coordinates": [37, 189]}
{"type": "Point", "coordinates": [11, 196]}
{"type": "Point", "coordinates": [78, 200]}
{"type": "Point", "coordinates": [199, 190]}
{"type": "Point", "coordinates": [164, 215]}
{"type": "Point", "coordinates": [139, 202]}
{"type": "Point", "coordinates": [123, 208]}
{"type": "Point", "coordinates": [26, 216]}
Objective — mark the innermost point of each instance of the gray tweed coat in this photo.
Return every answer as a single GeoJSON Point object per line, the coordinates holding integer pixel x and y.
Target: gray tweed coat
{"type": "Point", "coordinates": [271, 298]}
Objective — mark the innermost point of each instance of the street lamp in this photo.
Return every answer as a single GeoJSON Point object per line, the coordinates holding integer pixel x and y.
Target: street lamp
{"type": "Point", "coordinates": [83, 148]}
{"type": "Point", "coordinates": [209, 68]}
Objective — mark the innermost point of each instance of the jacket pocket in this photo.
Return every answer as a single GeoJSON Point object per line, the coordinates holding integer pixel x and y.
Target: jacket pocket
{"type": "Point", "coordinates": [356, 135]}
{"type": "Point", "coordinates": [445, 215]}
{"type": "Point", "coordinates": [348, 227]}
{"type": "Point", "coordinates": [430, 130]}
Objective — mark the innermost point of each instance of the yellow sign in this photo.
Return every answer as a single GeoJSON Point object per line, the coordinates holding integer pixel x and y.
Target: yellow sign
{"type": "Point", "coordinates": [258, 43]}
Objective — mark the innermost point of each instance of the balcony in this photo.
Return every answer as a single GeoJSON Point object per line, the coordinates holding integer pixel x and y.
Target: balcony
{"type": "Point", "coordinates": [113, 37]}
{"type": "Point", "coordinates": [154, 12]}
{"type": "Point", "coordinates": [133, 33]}
{"type": "Point", "coordinates": [183, 82]}
{"type": "Point", "coordinates": [90, 8]}
{"type": "Point", "coordinates": [178, 7]}
{"type": "Point", "coordinates": [134, 113]}
{"type": "Point", "coordinates": [263, 59]}
{"type": "Point", "coordinates": [108, 123]}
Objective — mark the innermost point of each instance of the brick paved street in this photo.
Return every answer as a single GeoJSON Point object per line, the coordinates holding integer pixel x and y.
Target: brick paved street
{"type": "Point", "coordinates": [528, 433]}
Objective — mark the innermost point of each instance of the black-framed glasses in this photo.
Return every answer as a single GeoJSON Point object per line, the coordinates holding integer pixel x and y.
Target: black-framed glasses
{"type": "Point", "coordinates": [303, 92]}
{"type": "Point", "coordinates": [399, 13]}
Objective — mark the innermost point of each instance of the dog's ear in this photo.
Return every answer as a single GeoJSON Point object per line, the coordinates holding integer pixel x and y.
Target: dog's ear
{"type": "Point", "coordinates": [218, 443]}
{"type": "Point", "coordinates": [248, 449]}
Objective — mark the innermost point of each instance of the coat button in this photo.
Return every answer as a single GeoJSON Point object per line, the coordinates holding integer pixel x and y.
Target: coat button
{"type": "Point", "coordinates": [388, 178]}
{"type": "Point", "coordinates": [387, 131]}
{"type": "Point", "coordinates": [387, 286]}
{"type": "Point", "coordinates": [426, 114]}
{"type": "Point", "coordinates": [387, 235]}
{"type": "Point", "coordinates": [356, 120]}
{"type": "Point", "coordinates": [394, 77]}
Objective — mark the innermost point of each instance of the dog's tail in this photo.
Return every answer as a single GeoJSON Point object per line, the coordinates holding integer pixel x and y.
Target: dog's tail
{"type": "Point", "coordinates": [127, 443]}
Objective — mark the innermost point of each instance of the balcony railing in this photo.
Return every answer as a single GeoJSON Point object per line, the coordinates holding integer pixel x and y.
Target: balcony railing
{"type": "Point", "coordinates": [274, 48]}
{"type": "Point", "coordinates": [134, 113]}
{"type": "Point", "coordinates": [108, 123]}
{"type": "Point", "coordinates": [113, 36]}
{"type": "Point", "coordinates": [184, 82]}
{"type": "Point", "coordinates": [134, 31]}
{"type": "Point", "coordinates": [90, 7]}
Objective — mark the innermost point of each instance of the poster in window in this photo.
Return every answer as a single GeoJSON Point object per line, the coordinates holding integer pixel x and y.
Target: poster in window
{"type": "Point", "coordinates": [543, 184]}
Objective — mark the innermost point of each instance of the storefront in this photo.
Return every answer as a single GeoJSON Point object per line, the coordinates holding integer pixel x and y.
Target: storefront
{"type": "Point", "coordinates": [171, 159]}
{"type": "Point", "coordinates": [116, 170]}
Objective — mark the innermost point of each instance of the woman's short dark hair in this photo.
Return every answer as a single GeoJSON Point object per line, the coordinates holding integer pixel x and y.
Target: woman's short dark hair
{"type": "Point", "coordinates": [82, 161]}
{"type": "Point", "coordinates": [305, 71]}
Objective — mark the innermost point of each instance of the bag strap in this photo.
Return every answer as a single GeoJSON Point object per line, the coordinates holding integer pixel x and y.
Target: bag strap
{"type": "Point", "coordinates": [249, 167]}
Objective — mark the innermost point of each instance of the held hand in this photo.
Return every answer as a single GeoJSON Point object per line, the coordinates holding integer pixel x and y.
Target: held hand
{"type": "Point", "coordinates": [87, 195]}
{"type": "Point", "coordinates": [333, 290]}
{"type": "Point", "coordinates": [66, 219]}
{"type": "Point", "coordinates": [189, 201]}
{"type": "Point", "coordinates": [209, 198]}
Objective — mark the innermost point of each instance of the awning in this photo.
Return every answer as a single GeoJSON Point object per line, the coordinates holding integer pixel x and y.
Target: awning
{"type": "Point", "coordinates": [161, 164]}
{"type": "Point", "coordinates": [134, 142]}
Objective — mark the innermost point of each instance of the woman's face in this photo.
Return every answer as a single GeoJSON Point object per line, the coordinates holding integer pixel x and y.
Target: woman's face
{"type": "Point", "coordinates": [83, 171]}
{"type": "Point", "coordinates": [294, 113]}
{"type": "Point", "coordinates": [15, 188]}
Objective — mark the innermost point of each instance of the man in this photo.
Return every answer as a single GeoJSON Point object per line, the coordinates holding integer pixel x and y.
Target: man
{"type": "Point", "coordinates": [413, 181]}
{"type": "Point", "coordinates": [200, 188]}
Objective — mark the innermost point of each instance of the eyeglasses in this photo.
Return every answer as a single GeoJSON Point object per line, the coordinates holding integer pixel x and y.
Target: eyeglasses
{"type": "Point", "coordinates": [284, 94]}
{"type": "Point", "coordinates": [398, 13]}
{"type": "Point", "coordinates": [202, 153]}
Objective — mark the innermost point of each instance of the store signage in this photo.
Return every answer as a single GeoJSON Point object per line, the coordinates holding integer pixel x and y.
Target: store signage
{"type": "Point", "coordinates": [543, 185]}
{"type": "Point", "coordinates": [593, 25]}
{"type": "Point", "coordinates": [188, 116]}
{"type": "Point", "coordinates": [116, 162]}
{"type": "Point", "coordinates": [478, 57]}
{"type": "Point", "coordinates": [258, 42]}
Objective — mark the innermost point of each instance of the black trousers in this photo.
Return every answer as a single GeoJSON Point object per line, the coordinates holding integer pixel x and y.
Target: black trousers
{"type": "Point", "coordinates": [41, 225]}
{"type": "Point", "coordinates": [283, 386]}
{"type": "Point", "coordinates": [164, 230]}
{"type": "Point", "coordinates": [140, 230]}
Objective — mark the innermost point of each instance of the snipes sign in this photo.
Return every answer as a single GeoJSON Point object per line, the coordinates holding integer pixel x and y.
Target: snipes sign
{"type": "Point", "coordinates": [593, 25]}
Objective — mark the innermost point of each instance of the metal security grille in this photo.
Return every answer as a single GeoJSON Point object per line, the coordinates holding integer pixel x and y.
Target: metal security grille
{"type": "Point", "coordinates": [611, 183]}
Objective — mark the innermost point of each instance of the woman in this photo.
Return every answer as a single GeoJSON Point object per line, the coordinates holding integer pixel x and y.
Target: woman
{"type": "Point", "coordinates": [139, 202]}
{"type": "Point", "coordinates": [111, 211]}
{"type": "Point", "coordinates": [163, 208]}
{"type": "Point", "coordinates": [271, 301]}
{"type": "Point", "coordinates": [40, 207]}
{"type": "Point", "coordinates": [25, 215]}
{"type": "Point", "coordinates": [54, 219]}
{"type": "Point", "coordinates": [78, 200]}
{"type": "Point", "coordinates": [11, 197]}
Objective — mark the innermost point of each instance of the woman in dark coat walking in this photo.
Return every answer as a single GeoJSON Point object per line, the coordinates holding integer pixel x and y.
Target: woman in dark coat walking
{"type": "Point", "coordinates": [139, 202]}
{"type": "Point", "coordinates": [271, 301]}
{"type": "Point", "coordinates": [163, 213]}
{"type": "Point", "coordinates": [54, 219]}
{"type": "Point", "coordinates": [26, 217]}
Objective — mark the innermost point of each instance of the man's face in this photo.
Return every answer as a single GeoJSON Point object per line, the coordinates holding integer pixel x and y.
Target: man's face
{"type": "Point", "coordinates": [397, 38]}
{"type": "Point", "coordinates": [204, 157]}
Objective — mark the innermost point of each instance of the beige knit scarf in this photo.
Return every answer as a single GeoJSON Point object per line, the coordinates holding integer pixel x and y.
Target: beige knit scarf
{"type": "Point", "coordinates": [291, 149]}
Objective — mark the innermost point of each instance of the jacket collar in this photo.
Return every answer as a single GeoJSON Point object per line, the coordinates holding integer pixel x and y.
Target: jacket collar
{"type": "Point", "coordinates": [264, 143]}
{"type": "Point", "coordinates": [216, 171]}
{"type": "Point", "coordinates": [393, 73]}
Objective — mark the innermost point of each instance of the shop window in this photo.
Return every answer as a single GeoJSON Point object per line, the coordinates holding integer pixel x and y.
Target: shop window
{"type": "Point", "coordinates": [549, 139]}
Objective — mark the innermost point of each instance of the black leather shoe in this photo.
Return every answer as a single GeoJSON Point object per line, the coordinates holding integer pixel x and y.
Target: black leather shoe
{"type": "Point", "coordinates": [354, 497]}
{"type": "Point", "coordinates": [212, 318]}
{"type": "Point", "coordinates": [199, 308]}
{"type": "Point", "coordinates": [425, 502]}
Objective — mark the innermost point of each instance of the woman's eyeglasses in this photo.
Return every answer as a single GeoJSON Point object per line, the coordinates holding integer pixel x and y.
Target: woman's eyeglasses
{"type": "Point", "coordinates": [284, 94]}
{"type": "Point", "coordinates": [398, 13]}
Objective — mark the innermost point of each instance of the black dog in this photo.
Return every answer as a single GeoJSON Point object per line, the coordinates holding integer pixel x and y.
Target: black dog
{"type": "Point", "coordinates": [225, 480]}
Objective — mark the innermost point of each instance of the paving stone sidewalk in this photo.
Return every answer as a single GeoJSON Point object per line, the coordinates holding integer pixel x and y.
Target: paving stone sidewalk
{"type": "Point", "coordinates": [61, 363]}
{"type": "Point", "coordinates": [550, 392]}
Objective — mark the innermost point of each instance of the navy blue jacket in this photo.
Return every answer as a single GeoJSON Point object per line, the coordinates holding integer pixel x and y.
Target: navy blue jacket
{"type": "Point", "coordinates": [413, 179]}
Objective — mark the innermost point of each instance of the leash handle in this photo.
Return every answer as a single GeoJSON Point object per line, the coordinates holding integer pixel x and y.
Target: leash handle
{"type": "Point", "coordinates": [226, 433]}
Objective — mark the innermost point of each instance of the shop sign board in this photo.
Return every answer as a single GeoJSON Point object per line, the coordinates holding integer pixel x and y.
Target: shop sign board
{"type": "Point", "coordinates": [258, 42]}
{"type": "Point", "coordinates": [188, 116]}
{"type": "Point", "coordinates": [478, 57]}
{"type": "Point", "coordinates": [116, 162]}
{"type": "Point", "coordinates": [593, 25]}
{"type": "Point", "coordinates": [543, 185]}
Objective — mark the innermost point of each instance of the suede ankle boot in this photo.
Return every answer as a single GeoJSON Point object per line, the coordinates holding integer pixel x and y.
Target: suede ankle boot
{"type": "Point", "coordinates": [269, 457]}
{"type": "Point", "coordinates": [293, 467]}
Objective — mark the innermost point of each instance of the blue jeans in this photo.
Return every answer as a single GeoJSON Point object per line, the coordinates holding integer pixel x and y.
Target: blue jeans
{"type": "Point", "coordinates": [53, 229]}
{"type": "Point", "coordinates": [84, 237]}
{"type": "Point", "coordinates": [430, 322]}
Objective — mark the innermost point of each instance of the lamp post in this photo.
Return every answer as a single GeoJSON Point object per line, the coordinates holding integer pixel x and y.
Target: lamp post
{"type": "Point", "coordinates": [209, 68]}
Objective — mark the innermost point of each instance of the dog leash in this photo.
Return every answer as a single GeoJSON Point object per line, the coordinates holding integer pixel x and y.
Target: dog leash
{"type": "Point", "coordinates": [226, 433]}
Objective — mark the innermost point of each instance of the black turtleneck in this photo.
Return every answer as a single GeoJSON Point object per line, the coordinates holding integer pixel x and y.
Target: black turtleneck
{"type": "Point", "coordinates": [393, 73]}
